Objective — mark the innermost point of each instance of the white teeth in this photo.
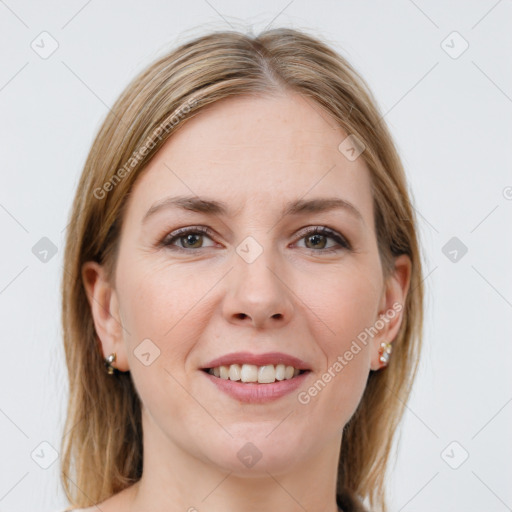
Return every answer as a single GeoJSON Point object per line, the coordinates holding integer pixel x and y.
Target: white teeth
{"type": "Point", "coordinates": [280, 371]}
{"type": "Point", "coordinates": [224, 372]}
{"type": "Point", "coordinates": [234, 372]}
{"type": "Point", "coordinates": [265, 374]}
{"type": "Point", "coordinates": [249, 373]}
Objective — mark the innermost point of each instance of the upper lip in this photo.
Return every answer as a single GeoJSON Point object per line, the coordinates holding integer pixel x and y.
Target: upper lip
{"type": "Point", "coordinates": [257, 359]}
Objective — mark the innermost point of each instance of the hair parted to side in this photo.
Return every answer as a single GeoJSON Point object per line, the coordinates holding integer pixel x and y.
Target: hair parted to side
{"type": "Point", "coordinates": [102, 447]}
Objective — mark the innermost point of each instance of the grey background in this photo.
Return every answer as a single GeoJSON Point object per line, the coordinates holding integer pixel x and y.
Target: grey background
{"type": "Point", "coordinates": [451, 117]}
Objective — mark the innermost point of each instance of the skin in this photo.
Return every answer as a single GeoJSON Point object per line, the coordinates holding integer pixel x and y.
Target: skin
{"type": "Point", "coordinates": [255, 154]}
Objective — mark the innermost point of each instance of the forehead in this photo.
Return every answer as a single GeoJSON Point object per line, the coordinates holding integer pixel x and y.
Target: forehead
{"type": "Point", "coordinates": [261, 150]}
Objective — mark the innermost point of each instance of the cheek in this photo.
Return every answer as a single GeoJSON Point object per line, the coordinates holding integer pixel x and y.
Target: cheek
{"type": "Point", "coordinates": [166, 305]}
{"type": "Point", "coordinates": [348, 307]}
{"type": "Point", "coordinates": [158, 301]}
{"type": "Point", "coordinates": [347, 303]}
{"type": "Point", "coordinates": [163, 314]}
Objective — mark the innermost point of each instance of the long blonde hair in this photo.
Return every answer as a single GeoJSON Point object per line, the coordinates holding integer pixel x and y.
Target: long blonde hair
{"type": "Point", "coordinates": [102, 440]}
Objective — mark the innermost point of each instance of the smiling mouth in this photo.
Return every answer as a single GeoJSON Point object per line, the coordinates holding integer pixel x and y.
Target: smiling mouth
{"type": "Point", "coordinates": [250, 373]}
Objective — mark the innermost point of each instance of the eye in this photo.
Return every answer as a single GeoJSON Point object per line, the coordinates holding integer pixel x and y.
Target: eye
{"type": "Point", "coordinates": [316, 240]}
{"type": "Point", "coordinates": [189, 238]}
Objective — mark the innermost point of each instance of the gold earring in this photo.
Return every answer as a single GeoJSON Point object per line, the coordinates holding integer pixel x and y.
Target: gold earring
{"type": "Point", "coordinates": [108, 363]}
{"type": "Point", "coordinates": [385, 353]}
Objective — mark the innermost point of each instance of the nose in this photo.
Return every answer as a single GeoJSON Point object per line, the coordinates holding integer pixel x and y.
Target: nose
{"type": "Point", "coordinates": [258, 293]}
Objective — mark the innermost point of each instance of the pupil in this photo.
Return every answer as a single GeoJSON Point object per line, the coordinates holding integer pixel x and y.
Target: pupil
{"type": "Point", "coordinates": [191, 237]}
{"type": "Point", "coordinates": [317, 238]}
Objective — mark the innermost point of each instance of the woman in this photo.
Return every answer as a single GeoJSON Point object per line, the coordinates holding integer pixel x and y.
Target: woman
{"type": "Point", "coordinates": [242, 295]}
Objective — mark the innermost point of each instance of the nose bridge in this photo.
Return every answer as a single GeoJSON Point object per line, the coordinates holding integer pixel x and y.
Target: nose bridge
{"type": "Point", "coordinates": [257, 290]}
{"type": "Point", "coordinates": [257, 260]}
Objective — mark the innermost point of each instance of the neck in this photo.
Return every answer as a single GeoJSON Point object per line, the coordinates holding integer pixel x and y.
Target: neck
{"type": "Point", "coordinates": [175, 480]}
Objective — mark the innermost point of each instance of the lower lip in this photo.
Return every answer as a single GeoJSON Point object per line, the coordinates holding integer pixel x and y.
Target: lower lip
{"type": "Point", "coordinates": [252, 392]}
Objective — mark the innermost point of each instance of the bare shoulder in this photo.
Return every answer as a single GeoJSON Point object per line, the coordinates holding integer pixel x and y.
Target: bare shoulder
{"type": "Point", "coordinates": [115, 503]}
{"type": "Point", "coordinates": [88, 509]}
{"type": "Point", "coordinates": [93, 508]}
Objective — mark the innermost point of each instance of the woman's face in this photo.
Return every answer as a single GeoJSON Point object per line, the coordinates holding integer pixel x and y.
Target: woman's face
{"type": "Point", "coordinates": [259, 174]}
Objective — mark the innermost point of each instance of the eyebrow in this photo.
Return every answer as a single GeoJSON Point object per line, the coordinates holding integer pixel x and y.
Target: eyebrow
{"type": "Point", "coordinates": [212, 207]}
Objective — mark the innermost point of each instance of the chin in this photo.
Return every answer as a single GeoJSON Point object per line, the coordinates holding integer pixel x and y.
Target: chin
{"type": "Point", "coordinates": [257, 450]}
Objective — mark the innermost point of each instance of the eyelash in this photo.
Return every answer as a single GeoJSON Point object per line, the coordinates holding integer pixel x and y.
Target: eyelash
{"type": "Point", "coordinates": [342, 242]}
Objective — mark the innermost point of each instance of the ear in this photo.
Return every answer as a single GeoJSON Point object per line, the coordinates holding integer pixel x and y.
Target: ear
{"type": "Point", "coordinates": [104, 305]}
{"type": "Point", "coordinates": [391, 308]}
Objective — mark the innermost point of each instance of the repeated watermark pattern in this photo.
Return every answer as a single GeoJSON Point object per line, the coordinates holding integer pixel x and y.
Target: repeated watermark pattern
{"type": "Point", "coordinates": [362, 339]}
{"type": "Point", "coordinates": [139, 154]}
{"type": "Point", "coordinates": [452, 44]}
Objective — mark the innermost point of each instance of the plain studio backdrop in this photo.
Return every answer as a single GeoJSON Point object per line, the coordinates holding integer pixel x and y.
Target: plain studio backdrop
{"type": "Point", "coordinates": [441, 75]}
